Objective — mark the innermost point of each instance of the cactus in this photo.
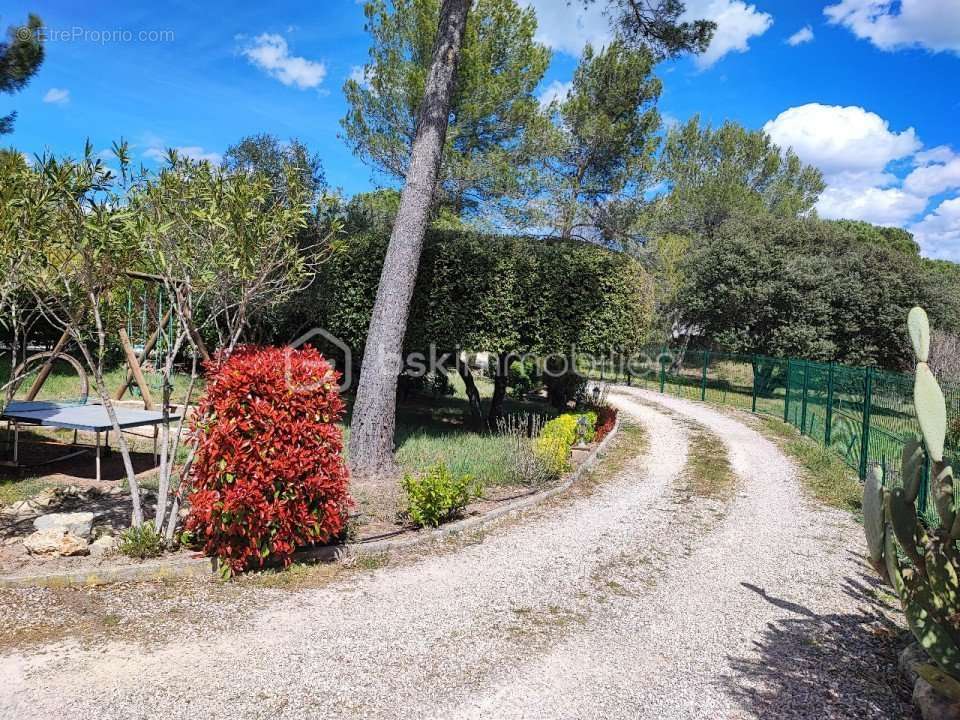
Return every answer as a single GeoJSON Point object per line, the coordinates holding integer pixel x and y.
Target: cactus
{"type": "Point", "coordinates": [921, 563]}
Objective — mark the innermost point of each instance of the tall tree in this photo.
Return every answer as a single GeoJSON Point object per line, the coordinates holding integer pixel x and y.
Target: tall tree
{"type": "Point", "coordinates": [374, 413]}
{"type": "Point", "coordinates": [267, 154]}
{"type": "Point", "coordinates": [657, 26]}
{"type": "Point", "coordinates": [601, 152]}
{"type": "Point", "coordinates": [20, 58]}
{"type": "Point", "coordinates": [492, 111]}
{"type": "Point", "coordinates": [714, 174]}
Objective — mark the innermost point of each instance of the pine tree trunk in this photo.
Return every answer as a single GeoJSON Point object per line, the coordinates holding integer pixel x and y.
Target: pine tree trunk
{"type": "Point", "coordinates": [374, 413]}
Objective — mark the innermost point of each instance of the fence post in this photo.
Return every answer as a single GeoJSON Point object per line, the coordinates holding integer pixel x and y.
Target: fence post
{"type": "Point", "coordinates": [753, 364]}
{"type": "Point", "coordinates": [828, 431]}
{"type": "Point", "coordinates": [865, 438]}
{"type": "Point", "coordinates": [803, 400]}
{"type": "Point", "coordinates": [786, 394]}
{"type": "Point", "coordinates": [663, 372]}
{"type": "Point", "coordinates": [703, 380]}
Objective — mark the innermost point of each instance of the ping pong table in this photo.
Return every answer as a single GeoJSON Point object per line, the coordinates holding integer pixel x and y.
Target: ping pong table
{"type": "Point", "coordinates": [88, 418]}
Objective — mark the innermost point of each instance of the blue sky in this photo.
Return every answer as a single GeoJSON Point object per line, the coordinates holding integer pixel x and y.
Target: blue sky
{"type": "Point", "coordinates": [865, 89]}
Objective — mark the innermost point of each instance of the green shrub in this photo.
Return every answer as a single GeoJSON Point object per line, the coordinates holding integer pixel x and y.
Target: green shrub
{"type": "Point", "coordinates": [521, 378]}
{"type": "Point", "coordinates": [438, 495]}
{"type": "Point", "coordinates": [141, 542]}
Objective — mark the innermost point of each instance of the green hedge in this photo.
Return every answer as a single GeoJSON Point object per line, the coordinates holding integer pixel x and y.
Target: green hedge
{"type": "Point", "coordinates": [485, 292]}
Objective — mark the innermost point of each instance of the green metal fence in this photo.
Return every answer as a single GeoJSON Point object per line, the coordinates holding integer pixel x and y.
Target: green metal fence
{"type": "Point", "coordinates": [864, 415]}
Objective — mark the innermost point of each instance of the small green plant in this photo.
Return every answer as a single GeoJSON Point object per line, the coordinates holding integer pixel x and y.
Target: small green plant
{"type": "Point", "coordinates": [141, 542]}
{"type": "Point", "coordinates": [438, 495]}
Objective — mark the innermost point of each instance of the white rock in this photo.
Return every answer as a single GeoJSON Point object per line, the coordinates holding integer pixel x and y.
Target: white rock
{"type": "Point", "coordinates": [104, 545]}
{"type": "Point", "coordinates": [78, 523]}
{"type": "Point", "coordinates": [33, 506]}
{"type": "Point", "coordinates": [55, 541]}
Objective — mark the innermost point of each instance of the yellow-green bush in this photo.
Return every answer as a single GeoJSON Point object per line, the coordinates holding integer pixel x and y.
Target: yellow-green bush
{"type": "Point", "coordinates": [438, 495]}
{"type": "Point", "coordinates": [552, 453]}
{"type": "Point", "coordinates": [563, 428]}
{"type": "Point", "coordinates": [552, 447]}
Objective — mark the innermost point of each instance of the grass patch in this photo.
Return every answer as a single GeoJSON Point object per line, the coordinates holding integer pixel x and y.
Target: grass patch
{"type": "Point", "coordinates": [708, 472]}
{"type": "Point", "coordinates": [826, 476]}
{"type": "Point", "coordinates": [302, 576]}
{"type": "Point", "coordinates": [490, 459]}
{"type": "Point", "coordinates": [63, 384]}
{"type": "Point", "coordinates": [13, 489]}
{"type": "Point", "coordinates": [630, 443]}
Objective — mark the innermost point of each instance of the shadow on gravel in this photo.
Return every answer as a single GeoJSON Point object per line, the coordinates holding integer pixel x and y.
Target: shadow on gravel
{"type": "Point", "coordinates": [841, 665]}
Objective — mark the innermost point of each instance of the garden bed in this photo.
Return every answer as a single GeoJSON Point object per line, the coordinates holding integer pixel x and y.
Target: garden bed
{"type": "Point", "coordinates": [111, 508]}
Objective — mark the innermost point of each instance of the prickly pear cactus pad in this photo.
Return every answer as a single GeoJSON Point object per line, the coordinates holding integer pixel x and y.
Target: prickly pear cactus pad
{"type": "Point", "coordinates": [919, 326]}
{"type": "Point", "coordinates": [873, 519]}
{"type": "Point", "coordinates": [921, 562]}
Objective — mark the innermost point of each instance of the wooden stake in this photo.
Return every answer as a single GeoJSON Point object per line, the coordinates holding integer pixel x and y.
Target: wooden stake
{"type": "Point", "coordinates": [47, 367]}
{"type": "Point", "coordinates": [135, 369]}
{"type": "Point", "coordinates": [144, 354]}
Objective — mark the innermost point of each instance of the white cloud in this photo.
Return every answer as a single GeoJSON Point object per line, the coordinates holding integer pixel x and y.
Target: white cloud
{"type": "Point", "coordinates": [669, 121]}
{"type": "Point", "coordinates": [736, 23]}
{"type": "Point", "coordinates": [852, 147]}
{"type": "Point", "coordinates": [856, 150]}
{"type": "Point", "coordinates": [359, 74]}
{"type": "Point", "coordinates": [939, 232]}
{"type": "Point", "coordinates": [890, 24]}
{"type": "Point", "coordinates": [270, 53]}
{"type": "Point", "coordinates": [881, 206]}
{"type": "Point", "coordinates": [555, 91]}
{"type": "Point", "coordinates": [801, 36]}
{"type": "Point", "coordinates": [567, 27]}
{"type": "Point", "coordinates": [936, 176]}
{"type": "Point", "coordinates": [158, 153]}
{"type": "Point", "coordinates": [938, 154]}
{"type": "Point", "coordinates": [58, 96]}
{"type": "Point", "coordinates": [841, 139]}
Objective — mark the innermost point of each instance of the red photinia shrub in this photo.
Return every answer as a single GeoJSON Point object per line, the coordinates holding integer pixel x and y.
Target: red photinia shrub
{"type": "Point", "coordinates": [269, 474]}
{"type": "Point", "coordinates": [606, 417]}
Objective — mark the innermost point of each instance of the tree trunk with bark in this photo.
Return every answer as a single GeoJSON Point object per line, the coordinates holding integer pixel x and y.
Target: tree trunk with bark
{"type": "Point", "coordinates": [473, 394]}
{"type": "Point", "coordinates": [500, 380]}
{"type": "Point", "coordinates": [374, 413]}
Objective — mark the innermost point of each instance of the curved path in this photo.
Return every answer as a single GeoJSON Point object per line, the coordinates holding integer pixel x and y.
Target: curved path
{"type": "Point", "coordinates": [633, 601]}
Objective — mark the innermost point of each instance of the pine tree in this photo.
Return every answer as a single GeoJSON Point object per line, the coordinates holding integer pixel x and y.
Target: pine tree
{"type": "Point", "coordinates": [20, 58]}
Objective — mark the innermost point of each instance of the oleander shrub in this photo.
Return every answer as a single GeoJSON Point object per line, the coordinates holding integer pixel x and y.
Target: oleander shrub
{"type": "Point", "coordinates": [438, 495]}
{"type": "Point", "coordinates": [269, 474]}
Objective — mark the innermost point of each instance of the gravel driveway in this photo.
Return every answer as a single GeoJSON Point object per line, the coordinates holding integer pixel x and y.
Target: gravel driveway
{"type": "Point", "coordinates": [633, 601]}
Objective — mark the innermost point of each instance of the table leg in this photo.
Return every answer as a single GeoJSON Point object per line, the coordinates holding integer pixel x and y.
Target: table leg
{"type": "Point", "coordinates": [98, 455]}
{"type": "Point", "coordinates": [16, 442]}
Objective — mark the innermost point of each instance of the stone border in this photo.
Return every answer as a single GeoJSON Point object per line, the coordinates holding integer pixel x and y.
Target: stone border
{"type": "Point", "coordinates": [190, 567]}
